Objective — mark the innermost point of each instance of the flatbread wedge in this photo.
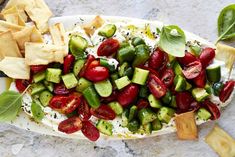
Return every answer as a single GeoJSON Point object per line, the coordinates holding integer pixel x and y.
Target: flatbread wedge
{"type": "Point", "coordinates": [96, 23]}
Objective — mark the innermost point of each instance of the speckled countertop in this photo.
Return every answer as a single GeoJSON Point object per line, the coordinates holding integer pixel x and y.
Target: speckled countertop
{"type": "Point", "coordinates": [197, 16]}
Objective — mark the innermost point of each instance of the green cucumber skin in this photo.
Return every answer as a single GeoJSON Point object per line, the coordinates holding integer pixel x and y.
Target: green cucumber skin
{"type": "Point", "coordinates": [146, 115]}
{"type": "Point", "coordinates": [83, 84]}
{"type": "Point", "coordinates": [78, 66]}
{"type": "Point", "coordinates": [91, 97]}
{"type": "Point", "coordinates": [70, 81]}
{"type": "Point", "coordinates": [36, 88]}
{"type": "Point", "coordinates": [53, 75]}
{"type": "Point", "coordinates": [45, 97]}
{"type": "Point", "coordinates": [103, 88]}
{"type": "Point", "coordinates": [116, 107]}
{"type": "Point", "coordinates": [105, 127]}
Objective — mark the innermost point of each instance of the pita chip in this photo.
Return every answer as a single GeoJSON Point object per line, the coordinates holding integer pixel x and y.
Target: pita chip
{"type": "Point", "coordinates": [14, 18]}
{"type": "Point", "coordinates": [96, 23]}
{"type": "Point", "coordinates": [5, 26]}
{"type": "Point", "coordinates": [14, 10]}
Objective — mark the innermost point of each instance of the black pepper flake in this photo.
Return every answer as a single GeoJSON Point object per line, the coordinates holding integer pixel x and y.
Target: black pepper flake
{"type": "Point", "coordinates": [55, 115]}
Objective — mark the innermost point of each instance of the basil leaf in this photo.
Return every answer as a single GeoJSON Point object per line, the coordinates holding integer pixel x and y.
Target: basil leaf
{"type": "Point", "coordinates": [37, 111]}
{"type": "Point", "coordinates": [172, 40]}
{"type": "Point", "coordinates": [10, 103]}
{"type": "Point", "coordinates": [226, 23]}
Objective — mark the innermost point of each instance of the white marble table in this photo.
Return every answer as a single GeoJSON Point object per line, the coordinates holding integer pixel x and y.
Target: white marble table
{"type": "Point", "coordinates": [197, 16]}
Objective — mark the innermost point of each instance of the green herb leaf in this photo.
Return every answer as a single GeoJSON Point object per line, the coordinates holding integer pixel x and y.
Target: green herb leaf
{"type": "Point", "coordinates": [226, 23]}
{"type": "Point", "coordinates": [37, 111]}
{"type": "Point", "coordinates": [172, 40]}
{"type": "Point", "coordinates": [10, 103]}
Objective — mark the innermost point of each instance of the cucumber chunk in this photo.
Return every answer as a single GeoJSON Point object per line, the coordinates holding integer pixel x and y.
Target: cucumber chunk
{"type": "Point", "coordinates": [70, 80]}
{"type": "Point", "coordinates": [166, 99]}
{"type": "Point", "coordinates": [91, 97]}
{"type": "Point", "coordinates": [213, 73]}
{"type": "Point", "coordinates": [208, 88]}
{"type": "Point", "coordinates": [137, 41]}
{"type": "Point", "coordinates": [107, 30]}
{"type": "Point", "coordinates": [126, 54]}
{"type": "Point", "coordinates": [173, 102]}
{"type": "Point", "coordinates": [83, 84]}
{"type": "Point", "coordinates": [105, 127]}
{"type": "Point", "coordinates": [39, 77]}
{"type": "Point", "coordinates": [140, 76]}
{"type": "Point", "coordinates": [132, 113]}
{"type": "Point", "coordinates": [196, 50]}
{"type": "Point", "coordinates": [125, 117]}
{"type": "Point", "coordinates": [180, 83]}
{"type": "Point", "coordinates": [154, 103]}
{"type": "Point", "coordinates": [165, 114]}
{"type": "Point", "coordinates": [199, 94]}
{"type": "Point", "coordinates": [104, 88]}
{"type": "Point", "coordinates": [144, 92]}
{"type": "Point", "coordinates": [146, 115]}
{"type": "Point", "coordinates": [203, 114]}
{"type": "Point", "coordinates": [77, 46]}
{"type": "Point", "coordinates": [133, 126]}
{"type": "Point", "coordinates": [45, 97]}
{"type": "Point", "coordinates": [122, 69]}
{"type": "Point", "coordinates": [142, 55]}
{"type": "Point", "coordinates": [116, 107]}
{"type": "Point", "coordinates": [177, 68]}
{"type": "Point", "coordinates": [53, 75]}
{"type": "Point", "coordinates": [122, 82]}
{"type": "Point", "coordinates": [156, 125]}
{"type": "Point", "coordinates": [148, 128]}
{"type": "Point", "coordinates": [78, 65]}
{"type": "Point", "coordinates": [49, 85]}
{"type": "Point", "coordinates": [217, 87]}
{"type": "Point", "coordinates": [104, 62]}
{"type": "Point", "coordinates": [36, 88]}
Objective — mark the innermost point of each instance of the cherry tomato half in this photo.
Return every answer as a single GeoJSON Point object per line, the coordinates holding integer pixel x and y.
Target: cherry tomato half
{"type": "Point", "coordinates": [142, 103]}
{"type": "Point", "coordinates": [128, 94]}
{"type": "Point", "coordinates": [21, 85]}
{"type": "Point", "coordinates": [168, 77]}
{"type": "Point", "coordinates": [200, 80]}
{"type": "Point", "coordinates": [183, 101]}
{"type": "Point", "coordinates": [70, 125]}
{"type": "Point", "coordinates": [187, 59]}
{"type": "Point", "coordinates": [214, 110]}
{"type": "Point", "coordinates": [156, 59]}
{"type": "Point", "coordinates": [98, 73]}
{"type": "Point", "coordinates": [226, 90]}
{"type": "Point", "coordinates": [192, 70]}
{"type": "Point", "coordinates": [93, 64]}
{"type": "Point", "coordinates": [60, 89]}
{"type": "Point", "coordinates": [90, 58]}
{"type": "Point", "coordinates": [103, 112]}
{"type": "Point", "coordinates": [68, 62]}
{"type": "Point", "coordinates": [108, 47]}
{"type": "Point", "coordinates": [90, 131]}
{"type": "Point", "coordinates": [206, 57]}
{"type": "Point", "coordinates": [38, 68]}
{"type": "Point", "coordinates": [156, 86]}
{"type": "Point", "coordinates": [84, 110]}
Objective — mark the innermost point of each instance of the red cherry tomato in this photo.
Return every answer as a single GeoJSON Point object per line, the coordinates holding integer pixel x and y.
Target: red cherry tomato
{"type": "Point", "coordinates": [187, 59]}
{"type": "Point", "coordinates": [60, 89]}
{"type": "Point", "coordinates": [128, 94]}
{"type": "Point", "coordinates": [156, 59]}
{"type": "Point", "coordinates": [226, 90]}
{"type": "Point", "coordinates": [68, 62]}
{"type": "Point", "coordinates": [93, 64]}
{"type": "Point", "coordinates": [38, 68]}
{"type": "Point", "coordinates": [206, 57]}
{"type": "Point", "coordinates": [90, 131]}
{"type": "Point", "coordinates": [156, 86]}
{"type": "Point", "coordinates": [168, 77]}
{"type": "Point", "coordinates": [183, 101]}
{"type": "Point", "coordinates": [108, 47]}
{"type": "Point", "coordinates": [200, 80]}
{"type": "Point", "coordinates": [110, 98]}
{"type": "Point", "coordinates": [70, 125]}
{"type": "Point", "coordinates": [96, 74]}
{"type": "Point", "coordinates": [21, 85]}
{"type": "Point", "coordinates": [103, 112]}
{"type": "Point", "coordinates": [214, 110]}
{"type": "Point", "coordinates": [142, 104]}
{"type": "Point", "coordinates": [192, 70]}
{"type": "Point", "coordinates": [84, 110]}
{"type": "Point", "coordinates": [90, 58]}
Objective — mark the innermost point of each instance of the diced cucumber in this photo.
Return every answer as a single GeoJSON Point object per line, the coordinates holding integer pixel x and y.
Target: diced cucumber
{"type": "Point", "coordinates": [208, 88]}
{"type": "Point", "coordinates": [213, 73]}
{"type": "Point", "coordinates": [107, 30]}
{"type": "Point", "coordinates": [199, 94]}
{"type": "Point", "coordinates": [36, 88]}
{"type": "Point", "coordinates": [196, 50]}
{"type": "Point", "coordinates": [173, 102]}
{"type": "Point", "coordinates": [104, 88]}
{"type": "Point", "coordinates": [148, 128]}
{"type": "Point", "coordinates": [140, 76]}
{"type": "Point", "coordinates": [45, 97]}
{"type": "Point", "coordinates": [146, 115]}
{"type": "Point", "coordinates": [49, 85]}
{"type": "Point", "coordinates": [91, 97]}
{"type": "Point", "coordinates": [105, 127]}
{"type": "Point", "coordinates": [142, 55]}
{"type": "Point", "coordinates": [154, 103]}
{"type": "Point", "coordinates": [217, 87]}
{"type": "Point", "coordinates": [124, 44]}
{"type": "Point", "coordinates": [122, 82]}
{"type": "Point", "coordinates": [180, 83]}
{"type": "Point", "coordinates": [77, 46]}
{"type": "Point", "coordinates": [53, 75]}
{"type": "Point", "coordinates": [70, 80]}
{"type": "Point", "coordinates": [126, 54]}
{"type": "Point", "coordinates": [116, 107]}
{"type": "Point", "coordinates": [104, 62]}
{"type": "Point", "coordinates": [166, 99]}
{"type": "Point", "coordinates": [132, 113]}
{"type": "Point", "coordinates": [39, 77]}
{"type": "Point", "coordinates": [133, 126]}
{"type": "Point", "coordinates": [156, 125]}
{"type": "Point", "coordinates": [203, 114]}
{"type": "Point", "coordinates": [129, 72]}
{"type": "Point", "coordinates": [83, 84]}
{"type": "Point", "coordinates": [188, 86]}
{"type": "Point", "coordinates": [78, 65]}
{"type": "Point", "coordinates": [114, 77]}
{"type": "Point", "coordinates": [122, 69]}
{"type": "Point", "coordinates": [165, 114]}
{"type": "Point", "coordinates": [177, 68]}
{"type": "Point", "coordinates": [137, 41]}
{"type": "Point", "coordinates": [125, 117]}
{"type": "Point", "coordinates": [144, 92]}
